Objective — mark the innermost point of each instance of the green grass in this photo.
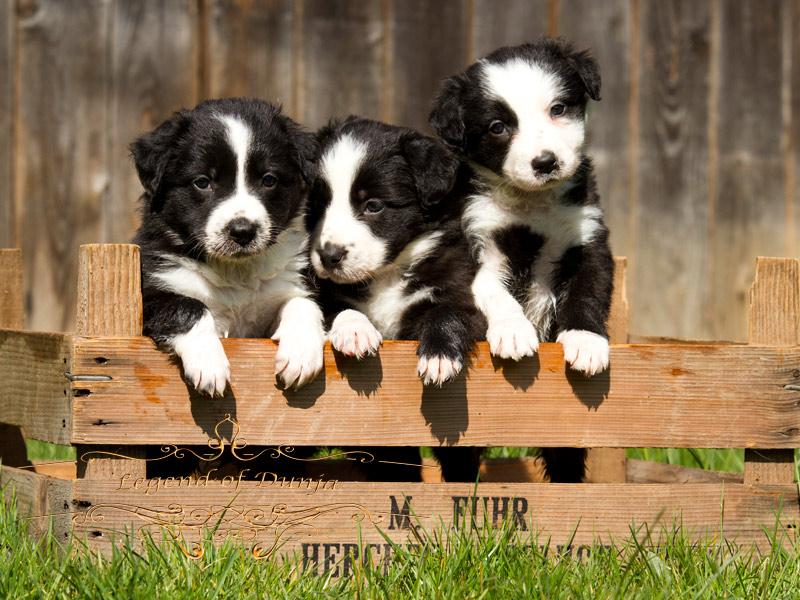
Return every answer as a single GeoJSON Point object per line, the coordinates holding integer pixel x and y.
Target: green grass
{"type": "Point", "coordinates": [491, 563]}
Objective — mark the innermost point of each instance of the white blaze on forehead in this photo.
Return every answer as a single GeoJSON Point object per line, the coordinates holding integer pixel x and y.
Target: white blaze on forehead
{"type": "Point", "coordinates": [339, 225]}
{"type": "Point", "coordinates": [242, 203]}
{"type": "Point", "coordinates": [525, 87]}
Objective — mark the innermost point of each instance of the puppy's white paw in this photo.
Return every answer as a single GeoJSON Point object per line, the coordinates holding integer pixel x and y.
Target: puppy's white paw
{"type": "Point", "coordinates": [301, 340]}
{"type": "Point", "coordinates": [205, 364]}
{"type": "Point", "coordinates": [584, 351]}
{"type": "Point", "coordinates": [513, 338]}
{"type": "Point", "coordinates": [437, 370]}
{"type": "Point", "coordinates": [353, 334]}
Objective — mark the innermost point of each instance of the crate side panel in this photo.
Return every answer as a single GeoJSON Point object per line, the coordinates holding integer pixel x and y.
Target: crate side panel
{"type": "Point", "coordinates": [669, 396]}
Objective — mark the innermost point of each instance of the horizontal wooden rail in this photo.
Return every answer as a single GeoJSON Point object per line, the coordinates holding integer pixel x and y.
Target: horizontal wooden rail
{"type": "Point", "coordinates": [667, 396]}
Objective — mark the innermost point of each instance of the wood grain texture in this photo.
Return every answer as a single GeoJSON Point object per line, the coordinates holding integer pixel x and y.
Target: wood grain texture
{"type": "Point", "coordinates": [12, 300]}
{"type": "Point", "coordinates": [251, 50]}
{"type": "Point", "coordinates": [47, 499]}
{"type": "Point", "coordinates": [668, 396]}
{"type": "Point", "coordinates": [342, 59]}
{"type": "Point", "coordinates": [153, 72]}
{"type": "Point", "coordinates": [109, 290]}
{"type": "Point", "coordinates": [429, 42]}
{"type": "Point", "coordinates": [35, 394]}
{"type": "Point", "coordinates": [498, 23]}
{"type": "Point", "coordinates": [672, 172]}
{"type": "Point", "coordinates": [749, 213]}
{"type": "Point", "coordinates": [775, 302]}
{"type": "Point", "coordinates": [328, 519]}
{"type": "Point", "coordinates": [8, 23]}
{"type": "Point", "coordinates": [606, 28]}
{"type": "Point", "coordinates": [62, 156]}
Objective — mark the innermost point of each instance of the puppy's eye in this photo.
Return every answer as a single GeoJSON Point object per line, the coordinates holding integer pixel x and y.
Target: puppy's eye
{"type": "Point", "coordinates": [497, 128]}
{"type": "Point", "coordinates": [557, 110]}
{"type": "Point", "coordinates": [373, 207]}
{"type": "Point", "coordinates": [202, 183]}
{"type": "Point", "coordinates": [268, 181]}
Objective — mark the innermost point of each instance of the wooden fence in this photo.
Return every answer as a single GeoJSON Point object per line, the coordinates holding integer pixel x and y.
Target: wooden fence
{"type": "Point", "coordinates": [694, 138]}
{"type": "Point", "coordinates": [124, 406]}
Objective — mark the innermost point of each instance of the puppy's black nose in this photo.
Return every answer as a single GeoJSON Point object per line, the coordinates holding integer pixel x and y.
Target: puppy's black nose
{"type": "Point", "coordinates": [242, 231]}
{"type": "Point", "coordinates": [332, 255]}
{"type": "Point", "coordinates": [545, 163]}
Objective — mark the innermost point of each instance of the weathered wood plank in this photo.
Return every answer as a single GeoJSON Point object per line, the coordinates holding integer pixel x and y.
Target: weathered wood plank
{"type": "Point", "coordinates": [35, 393]}
{"type": "Point", "coordinates": [672, 172]}
{"type": "Point", "coordinates": [607, 29]}
{"type": "Point", "coordinates": [342, 60]}
{"type": "Point", "coordinates": [692, 396]}
{"type": "Point", "coordinates": [41, 497]}
{"type": "Point", "coordinates": [498, 23]}
{"type": "Point", "coordinates": [430, 41]}
{"type": "Point", "coordinates": [251, 50]}
{"type": "Point", "coordinates": [109, 290]}
{"type": "Point", "coordinates": [12, 302]}
{"type": "Point", "coordinates": [8, 24]}
{"type": "Point", "coordinates": [62, 174]}
{"type": "Point", "coordinates": [326, 520]}
{"type": "Point", "coordinates": [749, 215]}
{"type": "Point", "coordinates": [153, 68]}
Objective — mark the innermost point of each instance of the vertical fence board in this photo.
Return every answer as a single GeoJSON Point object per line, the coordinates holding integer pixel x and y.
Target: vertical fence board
{"type": "Point", "coordinates": [153, 72]}
{"type": "Point", "coordinates": [605, 28]}
{"type": "Point", "coordinates": [7, 45]}
{"type": "Point", "coordinates": [342, 58]}
{"type": "Point", "coordinates": [793, 140]}
{"type": "Point", "coordinates": [62, 180]}
{"type": "Point", "coordinates": [250, 50]}
{"type": "Point", "coordinates": [672, 165]}
{"type": "Point", "coordinates": [507, 23]}
{"type": "Point", "coordinates": [429, 42]}
{"type": "Point", "coordinates": [749, 216]}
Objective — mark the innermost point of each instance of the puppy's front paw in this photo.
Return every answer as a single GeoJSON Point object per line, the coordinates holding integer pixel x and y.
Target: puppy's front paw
{"type": "Point", "coordinates": [513, 338]}
{"type": "Point", "coordinates": [353, 334]}
{"type": "Point", "coordinates": [206, 366]}
{"type": "Point", "coordinates": [436, 370]}
{"type": "Point", "coordinates": [299, 358]}
{"type": "Point", "coordinates": [584, 351]}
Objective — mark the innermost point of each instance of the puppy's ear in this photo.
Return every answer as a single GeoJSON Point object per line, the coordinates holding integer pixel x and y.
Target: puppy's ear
{"type": "Point", "coordinates": [433, 167]}
{"type": "Point", "coordinates": [152, 153]}
{"type": "Point", "coordinates": [306, 155]}
{"type": "Point", "coordinates": [447, 116]}
{"type": "Point", "coordinates": [588, 70]}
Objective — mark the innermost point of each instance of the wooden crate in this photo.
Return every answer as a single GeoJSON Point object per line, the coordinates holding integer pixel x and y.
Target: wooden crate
{"type": "Point", "coordinates": [107, 391]}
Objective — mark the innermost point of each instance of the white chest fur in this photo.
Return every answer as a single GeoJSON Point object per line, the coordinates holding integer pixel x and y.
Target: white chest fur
{"type": "Point", "coordinates": [245, 297]}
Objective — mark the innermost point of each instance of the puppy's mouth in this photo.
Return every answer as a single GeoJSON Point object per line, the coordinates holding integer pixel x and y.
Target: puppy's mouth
{"type": "Point", "coordinates": [240, 240]}
{"type": "Point", "coordinates": [341, 273]}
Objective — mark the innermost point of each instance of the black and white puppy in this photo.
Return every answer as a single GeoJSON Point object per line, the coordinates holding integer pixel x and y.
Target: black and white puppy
{"type": "Point", "coordinates": [387, 245]}
{"type": "Point", "coordinates": [391, 257]}
{"type": "Point", "coordinates": [535, 224]}
{"type": "Point", "coordinates": [223, 242]}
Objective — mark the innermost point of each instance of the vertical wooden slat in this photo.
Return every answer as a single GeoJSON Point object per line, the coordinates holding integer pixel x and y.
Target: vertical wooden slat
{"type": "Point", "coordinates": [61, 156]}
{"type": "Point", "coordinates": [430, 41]}
{"type": "Point", "coordinates": [498, 23]}
{"type": "Point", "coordinates": [13, 450]}
{"type": "Point", "coordinates": [610, 465]}
{"type": "Point", "coordinates": [250, 50]}
{"type": "Point", "coordinates": [342, 58]}
{"type": "Point", "coordinates": [750, 203]}
{"type": "Point", "coordinates": [605, 28]}
{"type": "Point", "coordinates": [109, 304]}
{"type": "Point", "coordinates": [672, 221]}
{"type": "Point", "coordinates": [792, 40]}
{"type": "Point", "coordinates": [774, 320]}
{"type": "Point", "coordinates": [7, 79]}
{"type": "Point", "coordinates": [153, 73]}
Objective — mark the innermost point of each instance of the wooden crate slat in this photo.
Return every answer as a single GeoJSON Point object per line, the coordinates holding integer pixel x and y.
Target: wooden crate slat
{"type": "Point", "coordinates": [669, 396]}
{"type": "Point", "coordinates": [35, 393]}
{"type": "Point", "coordinates": [38, 495]}
{"type": "Point", "coordinates": [315, 517]}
